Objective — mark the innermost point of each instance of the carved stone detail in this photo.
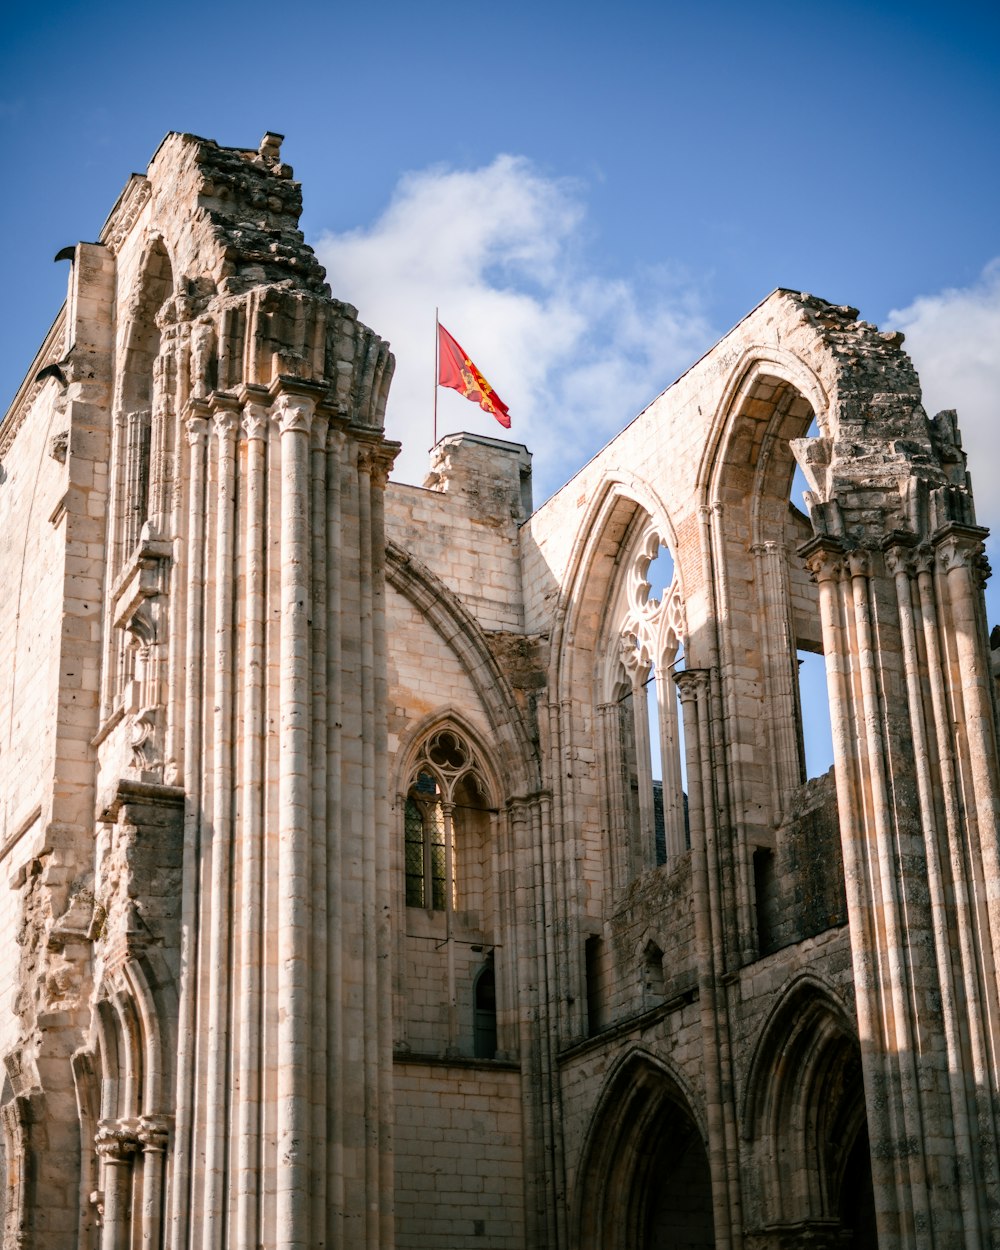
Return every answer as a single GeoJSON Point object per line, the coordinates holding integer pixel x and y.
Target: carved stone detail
{"type": "Point", "coordinates": [116, 1142]}
{"type": "Point", "coordinates": [293, 414]}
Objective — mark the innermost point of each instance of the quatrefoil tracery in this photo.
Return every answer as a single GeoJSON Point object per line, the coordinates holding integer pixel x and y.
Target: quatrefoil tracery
{"type": "Point", "coordinates": [654, 622]}
{"type": "Point", "coordinates": [447, 758]}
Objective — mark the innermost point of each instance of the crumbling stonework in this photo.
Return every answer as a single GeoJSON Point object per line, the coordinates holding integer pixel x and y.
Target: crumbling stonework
{"type": "Point", "coordinates": [403, 867]}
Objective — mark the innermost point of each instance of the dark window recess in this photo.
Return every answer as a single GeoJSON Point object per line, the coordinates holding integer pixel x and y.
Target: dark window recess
{"type": "Point", "coordinates": [659, 824]}
{"type": "Point", "coordinates": [485, 1021]}
{"type": "Point", "coordinates": [766, 894]}
{"type": "Point", "coordinates": [595, 1013]}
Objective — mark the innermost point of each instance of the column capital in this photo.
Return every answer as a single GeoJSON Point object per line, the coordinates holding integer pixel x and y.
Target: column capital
{"type": "Point", "coordinates": [375, 460]}
{"type": "Point", "coordinates": [255, 420]}
{"type": "Point", "coordinates": [962, 546]}
{"type": "Point", "coordinates": [116, 1142]}
{"type": "Point", "coordinates": [293, 414]}
{"type": "Point", "coordinates": [900, 558]}
{"type": "Point", "coordinates": [824, 558]}
{"type": "Point", "coordinates": [224, 422]}
{"type": "Point", "coordinates": [691, 683]}
{"type": "Point", "coordinates": [859, 562]}
{"type": "Point", "coordinates": [153, 1132]}
{"type": "Point", "coordinates": [321, 420]}
{"type": "Point", "coordinates": [196, 427]}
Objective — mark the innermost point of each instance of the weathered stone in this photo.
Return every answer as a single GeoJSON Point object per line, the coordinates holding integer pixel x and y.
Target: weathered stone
{"type": "Point", "coordinates": [348, 906]}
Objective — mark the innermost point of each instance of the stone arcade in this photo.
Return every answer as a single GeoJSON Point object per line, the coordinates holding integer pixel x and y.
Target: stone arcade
{"type": "Point", "coordinates": [344, 903]}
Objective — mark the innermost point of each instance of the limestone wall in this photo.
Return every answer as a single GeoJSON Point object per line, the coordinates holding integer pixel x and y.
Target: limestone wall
{"type": "Point", "coordinates": [32, 571]}
{"type": "Point", "coordinates": [459, 1174]}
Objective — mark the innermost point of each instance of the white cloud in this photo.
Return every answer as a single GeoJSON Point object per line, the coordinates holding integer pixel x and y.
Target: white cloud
{"type": "Point", "coordinates": [953, 338]}
{"type": "Point", "coordinates": [502, 251]}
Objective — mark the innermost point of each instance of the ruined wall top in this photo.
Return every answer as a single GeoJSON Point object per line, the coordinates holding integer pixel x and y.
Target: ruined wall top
{"type": "Point", "coordinates": [493, 474]}
{"type": "Point", "coordinates": [726, 429]}
{"type": "Point", "coordinates": [236, 212]}
{"type": "Point", "coordinates": [878, 451]}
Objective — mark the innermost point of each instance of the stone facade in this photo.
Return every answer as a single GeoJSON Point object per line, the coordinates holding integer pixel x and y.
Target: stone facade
{"type": "Point", "coordinates": [402, 867]}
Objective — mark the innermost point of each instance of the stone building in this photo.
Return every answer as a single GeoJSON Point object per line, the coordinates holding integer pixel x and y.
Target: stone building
{"type": "Point", "coordinates": [346, 904]}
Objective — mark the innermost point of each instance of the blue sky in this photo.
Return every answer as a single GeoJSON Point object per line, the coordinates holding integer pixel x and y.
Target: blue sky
{"type": "Point", "coordinates": [591, 193]}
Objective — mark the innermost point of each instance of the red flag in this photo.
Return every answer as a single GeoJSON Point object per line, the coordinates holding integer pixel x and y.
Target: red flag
{"type": "Point", "coordinates": [456, 370]}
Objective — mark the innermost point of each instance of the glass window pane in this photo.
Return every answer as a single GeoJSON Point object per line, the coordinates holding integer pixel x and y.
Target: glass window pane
{"type": "Point", "coordinates": [414, 848]}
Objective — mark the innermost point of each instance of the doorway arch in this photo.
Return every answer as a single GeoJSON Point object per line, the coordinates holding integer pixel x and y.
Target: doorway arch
{"type": "Point", "coordinates": [806, 1121]}
{"type": "Point", "coordinates": [645, 1183]}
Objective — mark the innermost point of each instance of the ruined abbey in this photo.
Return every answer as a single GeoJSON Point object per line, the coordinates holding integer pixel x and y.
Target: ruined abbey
{"type": "Point", "coordinates": [403, 868]}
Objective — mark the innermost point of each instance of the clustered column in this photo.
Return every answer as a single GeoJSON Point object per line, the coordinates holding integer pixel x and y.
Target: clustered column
{"type": "Point", "coordinates": [694, 689]}
{"type": "Point", "coordinates": [916, 764]}
{"type": "Point", "coordinates": [284, 1061]}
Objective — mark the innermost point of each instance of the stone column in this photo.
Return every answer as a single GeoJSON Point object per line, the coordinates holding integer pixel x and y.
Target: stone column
{"type": "Point", "coordinates": [336, 1043]}
{"type": "Point", "coordinates": [197, 438]}
{"type": "Point", "coordinates": [217, 1124]}
{"type": "Point", "coordinates": [251, 832]}
{"type": "Point", "coordinates": [916, 769]}
{"type": "Point", "coordinates": [694, 688]}
{"type": "Point", "coordinates": [294, 415]}
{"type": "Point", "coordinates": [778, 648]}
{"type": "Point", "coordinates": [381, 458]}
{"type": "Point", "coordinates": [319, 730]}
{"type": "Point", "coordinates": [152, 1134]}
{"type": "Point", "coordinates": [116, 1146]}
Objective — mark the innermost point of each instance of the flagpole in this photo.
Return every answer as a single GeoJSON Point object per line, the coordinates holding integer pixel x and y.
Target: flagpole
{"type": "Point", "coordinates": [437, 373]}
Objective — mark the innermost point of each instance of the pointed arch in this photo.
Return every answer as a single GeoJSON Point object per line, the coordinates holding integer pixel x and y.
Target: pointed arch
{"type": "Point", "coordinates": [452, 862]}
{"type": "Point", "coordinates": [615, 642]}
{"type": "Point", "coordinates": [764, 606]}
{"type": "Point", "coordinates": [511, 740]}
{"type": "Point", "coordinates": [592, 565]}
{"type": "Point", "coordinates": [140, 404]}
{"type": "Point", "coordinates": [644, 1181]}
{"type": "Point", "coordinates": [442, 718]}
{"type": "Point", "coordinates": [804, 1113]}
{"type": "Point", "coordinates": [785, 370]}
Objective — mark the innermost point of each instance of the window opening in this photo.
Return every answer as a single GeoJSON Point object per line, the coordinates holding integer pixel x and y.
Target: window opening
{"type": "Point", "coordinates": [814, 706]}
{"type": "Point", "coordinates": [485, 1018]}
{"type": "Point", "coordinates": [658, 576]}
{"type": "Point", "coordinates": [653, 986]}
{"type": "Point", "coordinates": [667, 760]}
{"type": "Point", "coordinates": [799, 483]}
{"type": "Point", "coordinates": [650, 727]}
{"type": "Point", "coordinates": [426, 846]}
{"type": "Point", "coordinates": [414, 833]}
{"type": "Point", "coordinates": [766, 897]}
{"type": "Point", "coordinates": [446, 791]}
{"type": "Point", "coordinates": [593, 957]}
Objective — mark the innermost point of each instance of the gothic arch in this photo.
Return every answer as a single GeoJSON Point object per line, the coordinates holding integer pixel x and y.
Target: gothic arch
{"type": "Point", "coordinates": [785, 367]}
{"type": "Point", "coordinates": [511, 743]}
{"type": "Point", "coordinates": [644, 1181]}
{"type": "Point", "coordinates": [153, 287]}
{"type": "Point", "coordinates": [154, 1000]}
{"type": "Point", "coordinates": [141, 416]}
{"type": "Point", "coordinates": [453, 857]}
{"type": "Point", "coordinates": [120, 1088]}
{"type": "Point", "coordinates": [804, 1116]}
{"type": "Point", "coordinates": [614, 644]}
{"type": "Point", "coordinates": [590, 571]}
{"type": "Point", "coordinates": [418, 733]}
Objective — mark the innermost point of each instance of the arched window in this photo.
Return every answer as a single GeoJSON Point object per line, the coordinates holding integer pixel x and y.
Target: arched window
{"type": "Point", "coordinates": [427, 854]}
{"type": "Point", "coordinates": [443, 824]}
{"type": "Point", "coordinates": [648, 731]}
{"type": "Point", "coordinates": [142, 402]}
{"type": "Point", "coordinates": [449, 883]}
{"type": "Point", "coordinates": [145, 412]}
